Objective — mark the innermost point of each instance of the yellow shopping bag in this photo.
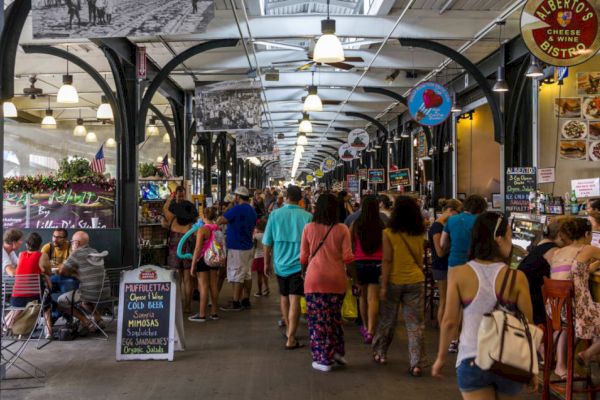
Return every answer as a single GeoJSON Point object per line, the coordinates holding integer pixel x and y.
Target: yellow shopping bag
{"type": "Point", "coordinates": [349, 306]}
{"type": "Point", "coordinates": [303, 308]}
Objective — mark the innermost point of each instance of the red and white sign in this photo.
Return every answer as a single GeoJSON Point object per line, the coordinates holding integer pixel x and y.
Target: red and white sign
{"type": "Point", "coordinates": [546, 175]}
{"type": "Point", "coordinates": [586, 187]}
{"type": "Point", "coordinates": [561, 33]}
{"type": "Point", "coordinates": [148, 274]}
{"type": "Point", "coordinates": [141, 63]}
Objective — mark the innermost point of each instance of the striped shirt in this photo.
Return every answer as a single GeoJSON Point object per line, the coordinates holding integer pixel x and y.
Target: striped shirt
{"type": "Point", "coordinates": [90, 276]}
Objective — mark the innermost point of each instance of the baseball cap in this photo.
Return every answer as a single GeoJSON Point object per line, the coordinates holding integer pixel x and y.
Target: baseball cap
{"type": "Point", "coordinates": [242, 191]}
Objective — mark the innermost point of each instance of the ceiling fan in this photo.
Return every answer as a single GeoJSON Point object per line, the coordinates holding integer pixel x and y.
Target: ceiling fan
{"type": "Point", "coordinates": [32, 91]}
{"type": "Point", "coordinates": [309, 63]}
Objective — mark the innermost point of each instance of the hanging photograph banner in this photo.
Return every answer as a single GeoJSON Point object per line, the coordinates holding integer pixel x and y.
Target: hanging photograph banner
{"type": "Point", "coordinates": [400, 177]}
{"type": "Point", "coordinates": [561, 33]}
{"type": "Point", "coordinates": [254, 143]}
{"type": "Point", "coordinates": [227, 110]}
{"type": "Point", "coordinates": [346, 152]}
{"type": "Point", "coordinates": [119, 18]}
{"type": "Point", "coordinates": [80, 206]}
{"type": "Point", "coordinates": [358, 139]}
{"type": "Point", "coordinates": [352, 183]}
{"type": "Point", "coordinates": [328, 164]}
{"type": "Point", "coordinates": [376, 176]}
{"type": "Point", "coordinates": [429, 103]}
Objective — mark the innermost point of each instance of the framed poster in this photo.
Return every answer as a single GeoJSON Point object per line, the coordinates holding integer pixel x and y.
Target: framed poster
{"type": "Point", "coordinates": [225, 110]}
{"type": "Point", "coordinates": [400, 177]}
{"type": "Point", "coordinates": [376, 176]}
{"type": "Point", "coordinates": [352, 183]}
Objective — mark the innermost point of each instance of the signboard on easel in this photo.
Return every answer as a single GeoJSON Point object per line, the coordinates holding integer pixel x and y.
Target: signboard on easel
{"type": "Point", "coordinates": [148, 309]}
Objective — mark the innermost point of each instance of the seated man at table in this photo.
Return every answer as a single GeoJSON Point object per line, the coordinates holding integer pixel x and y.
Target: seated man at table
{"type": "Point", "coordinates": [12, 240]}
{"type": "Point", "coordinates": [58, 249]}
{"type": "Point", "coordinates": [87, 266]}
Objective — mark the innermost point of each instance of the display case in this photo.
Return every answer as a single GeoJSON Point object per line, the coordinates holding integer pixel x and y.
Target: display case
{"type": "Point", "coordinates": [153, 235]}
{"type": "Point", "coordinates": [527, 231]}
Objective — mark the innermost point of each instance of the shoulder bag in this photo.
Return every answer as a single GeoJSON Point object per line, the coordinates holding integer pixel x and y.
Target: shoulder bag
{"type": "Point", "coordinates": [412, 254]}
{"type": "Point", "coordinates": [506, 342]}
{"type": "Point", "coordinates": [314, 253]}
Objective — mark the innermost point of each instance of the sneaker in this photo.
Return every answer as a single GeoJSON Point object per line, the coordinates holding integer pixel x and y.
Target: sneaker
{"type": "Point", "coordinates": [340, 359]}
{"type": "Point", "coordinates": [214, 317]}
{"type": "Point", "coordinates": [453, 348]}
{"type": "Point", "coordinates": [266, 292]}
{"type": "Point", "coordinates": [196, 318]}
{"type": "Point", "coordinates": [246, 304]}
{"type": "Point", "coordinates": [258, 294]}
{"type": "Point", "coordinates": [233, 306]}
{"type": "Point", "coordinates": [321, 367]}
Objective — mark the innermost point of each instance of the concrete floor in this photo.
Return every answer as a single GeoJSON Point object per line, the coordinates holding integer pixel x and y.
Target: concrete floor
{"type": "Point", "coordinates": [239, 357]}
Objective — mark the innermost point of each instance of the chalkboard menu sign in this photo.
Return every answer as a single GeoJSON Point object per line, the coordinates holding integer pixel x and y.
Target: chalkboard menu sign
{"type": "Point", "coordinates": [146, 324]}
{"type": "Point", "coordinates": [519, 182]}
{"type": "Point", "coordinates": [400, 177]}
{"type": "Point", "coordinates": [376, 176]}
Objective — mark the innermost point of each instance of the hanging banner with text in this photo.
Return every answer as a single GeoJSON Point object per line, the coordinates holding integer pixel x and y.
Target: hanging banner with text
{"type": "Point", "coordinates": [352, 183]}
{"type": "Point", "coordinates": [376, 176]}
{"type": "Point", "coordinates": [146, 322]}
{"type": "Point", "coordinates": [520, 181]}
{"type": "Point", "coordinates": [561, 33]}
{"type": "Point", "coordinates": [400, 177]}
{"type": "Point", "coordinates": [80, 206]}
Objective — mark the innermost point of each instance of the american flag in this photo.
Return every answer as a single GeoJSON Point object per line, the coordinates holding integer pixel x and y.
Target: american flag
{"type": "Point", "coordinates": [98, 164]}
{"type": "Point", "coordinates": [164, 167]}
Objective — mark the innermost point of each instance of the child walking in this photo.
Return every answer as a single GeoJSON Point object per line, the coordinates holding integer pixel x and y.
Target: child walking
{"type": "Point", "coordinates": [258, 265]}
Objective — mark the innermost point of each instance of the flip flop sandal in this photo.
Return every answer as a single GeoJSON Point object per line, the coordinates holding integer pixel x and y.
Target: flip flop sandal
{"type": "Point", "coordinates": [415, 372]}
{"type": "Point", "coordinates": [379, 359]}
{"type": "Point", "coordinates": [298, 345]}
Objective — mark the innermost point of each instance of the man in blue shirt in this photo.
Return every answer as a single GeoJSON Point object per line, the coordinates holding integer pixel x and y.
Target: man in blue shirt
{"type": "Point", "coordinates": [241, 220]}
{"type": "Point", "coordinates": [281, 240]}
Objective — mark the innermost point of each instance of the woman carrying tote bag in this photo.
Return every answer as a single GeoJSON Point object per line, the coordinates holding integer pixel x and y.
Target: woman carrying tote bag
{"type": "Point", "coordinates": [477, 287]}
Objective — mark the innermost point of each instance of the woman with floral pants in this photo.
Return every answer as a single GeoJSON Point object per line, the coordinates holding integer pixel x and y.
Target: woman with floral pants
{"type": "Point", "coordinates": [325, 249]}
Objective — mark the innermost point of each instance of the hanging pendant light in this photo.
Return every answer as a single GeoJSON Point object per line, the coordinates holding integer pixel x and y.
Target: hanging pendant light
{"type": "Point", "coordinates": [111, 142]}
{"type": "Point", "coordinates": [534, 70]}
{"type": "Point", "coordinates": [455, 107]}
{"type": "Point", "coordinates": [152, 129]}
{"type": "Point", "coordinates": [313, 101]}
{"type": "Point", "coordinates": [67, 92]}
{"type": "Point", "coordinates": [49, 122]}
{"type": "Point", "coordinates": [302, 139]}
{"type": "Point", "coordinates": [500, 86]}
{"type": "Point", "coordinates": [397, 136]}
{"type": "Point", "coordinates": [91, 138]}
{"type": "Point", "coordinates": [376, 145]}
{"type": "Point", "coordinates": [10, 111]}
{"type": "Point", "coordinates": [328, 48]}
{"type": "Point", "coordinates": [104, 110]}
{"type": "Point", "coordinates": [305, 125]}
{"type": "Point", "coordinates": [166, 139]}
{"type": "Point", "coordinates": [390, 140]}
{"type": "Point", "coordinates": [79, 130]}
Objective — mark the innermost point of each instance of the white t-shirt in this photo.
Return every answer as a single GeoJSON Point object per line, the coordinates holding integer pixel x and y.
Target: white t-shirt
{"type": "Point", "coordinates": [259, 253]}
{"type": "Point", "coordinates": [8, 259]}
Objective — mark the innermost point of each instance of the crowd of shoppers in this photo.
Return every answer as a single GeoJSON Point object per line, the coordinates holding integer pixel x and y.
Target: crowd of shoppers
{"type": "Point", "coordinates": [321, 248]}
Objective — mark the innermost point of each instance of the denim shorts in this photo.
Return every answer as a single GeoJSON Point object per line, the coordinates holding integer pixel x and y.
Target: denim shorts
{"type": "Point", "coordinates": [470, 378]}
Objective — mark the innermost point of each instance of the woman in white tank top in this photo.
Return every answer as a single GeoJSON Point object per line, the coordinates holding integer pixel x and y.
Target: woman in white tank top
{"type": "Point", "coordinates": [474, 287]}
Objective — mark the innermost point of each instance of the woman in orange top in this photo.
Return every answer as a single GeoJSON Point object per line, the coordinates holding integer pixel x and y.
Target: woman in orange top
{"type": "Point", "coordinates": [325, 249]}
{"type": "Point", "coordinates": [402, 283]}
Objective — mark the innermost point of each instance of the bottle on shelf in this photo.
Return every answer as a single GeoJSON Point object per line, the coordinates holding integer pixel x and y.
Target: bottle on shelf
{"type": "Point", "coordinates": [574, 203]}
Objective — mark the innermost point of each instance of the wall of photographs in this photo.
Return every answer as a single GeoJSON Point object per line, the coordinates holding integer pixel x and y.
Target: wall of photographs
{"type": "Point", "coordinates": [569, 125]}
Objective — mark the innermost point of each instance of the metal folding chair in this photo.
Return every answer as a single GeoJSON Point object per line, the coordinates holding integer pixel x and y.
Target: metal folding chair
{"type": "Point", "coordinates": [13, 346]}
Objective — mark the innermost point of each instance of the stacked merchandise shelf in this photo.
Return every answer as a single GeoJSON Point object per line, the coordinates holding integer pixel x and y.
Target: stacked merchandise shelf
{"type": "Point", "coordinates": [153, 235]}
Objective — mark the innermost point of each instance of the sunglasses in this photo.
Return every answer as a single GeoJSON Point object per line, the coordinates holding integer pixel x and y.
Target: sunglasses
{"type": "Point", "coordinates": [498, 223]}
{"type": "Point", "coordinates": [59, 237]}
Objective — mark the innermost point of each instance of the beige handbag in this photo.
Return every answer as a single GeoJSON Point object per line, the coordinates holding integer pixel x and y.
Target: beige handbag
{"type": "Point", "coordinates": [27, 319]}
{"type": "Point", "coordinates": [506, 342]}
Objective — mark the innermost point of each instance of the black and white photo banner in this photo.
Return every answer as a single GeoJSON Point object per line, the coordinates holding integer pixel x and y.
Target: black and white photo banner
{"type": "Point", "coordinates": [119, 18]}
{"type": "Point", "coordinates": [227, 110]}
{"type": "Point", "coordinates": [252, 143]}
